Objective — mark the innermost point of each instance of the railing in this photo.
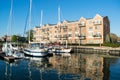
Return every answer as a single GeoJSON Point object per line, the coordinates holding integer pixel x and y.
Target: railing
{"type": "Point", "coordinates": [82, 24]}
{"type": "Point", "coordinates": [97, 36]}
{"type": "Point", "coordinates": [64, 27]}
{"type": "Point", "coordinates": [82, 37]}
{"type": "Point", "coordinates": [97, 22]}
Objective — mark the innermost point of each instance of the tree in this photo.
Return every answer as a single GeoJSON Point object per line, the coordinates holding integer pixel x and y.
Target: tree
{"type": "Point", "coordinates": [113, 38]}
{"type": "Point", "coordinates": [107, 39]}
{"type": "Point", "coordinates": [118, 39]}
{"type": "Point", "coordinates": [14, 38]}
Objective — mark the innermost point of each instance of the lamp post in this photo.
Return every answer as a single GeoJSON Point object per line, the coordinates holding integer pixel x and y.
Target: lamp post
{"type": "Point", "coordinates": [80, 36]}
{"type": "Point", "coordinates": [100, 40]}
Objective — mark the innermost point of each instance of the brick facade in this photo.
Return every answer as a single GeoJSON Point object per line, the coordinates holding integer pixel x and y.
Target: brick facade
{"type": "Point", "coordinates": [84, 31]}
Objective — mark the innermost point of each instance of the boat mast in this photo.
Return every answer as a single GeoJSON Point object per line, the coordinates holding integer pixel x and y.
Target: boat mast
{"type": "Point", "coordinates": [58, 23]}
{"type": "Point", "coordinates": [30, 19]}
{"type": "Point", "coordinates": [41, 18]}
{"type": "Point", "coordinates": [59, 15]}
{"type": "Point", "coordinates": [41, 24]}
{"type": "Point", "coordinates": [10, 21]}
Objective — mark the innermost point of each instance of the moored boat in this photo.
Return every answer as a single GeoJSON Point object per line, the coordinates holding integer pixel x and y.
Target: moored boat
{"type": "Point", "coordinates": [35, 49]}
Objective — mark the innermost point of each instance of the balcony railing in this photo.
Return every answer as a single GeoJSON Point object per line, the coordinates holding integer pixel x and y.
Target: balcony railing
{"type": "Point", "coordinates": [97, 22]}
{"type": "Point", "coordinates": [64, 27]}
{"type": "Point", "coordinates": [97, 36]}
{"type": "Point", "coordinates": [46, 38]}
{"type": "Point", "coordinates": [82, 24]}
{"type": "Point", "coordinates": [82, 37]}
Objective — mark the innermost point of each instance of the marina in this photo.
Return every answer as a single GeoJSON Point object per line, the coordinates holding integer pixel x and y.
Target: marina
{"type": "Point", "coordinates": [82, 63]}
{"type": "Point", "coordinates": [78, 66]}
{"type": "Point", "coordinates": [47, 40]}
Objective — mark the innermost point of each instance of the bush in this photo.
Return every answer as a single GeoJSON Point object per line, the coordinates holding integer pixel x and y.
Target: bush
{"type": "Point", "coordinates": [111, 44]}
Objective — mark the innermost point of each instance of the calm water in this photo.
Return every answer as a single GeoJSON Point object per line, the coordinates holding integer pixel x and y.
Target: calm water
{"type": "Point", "coordinates": [74, 67]}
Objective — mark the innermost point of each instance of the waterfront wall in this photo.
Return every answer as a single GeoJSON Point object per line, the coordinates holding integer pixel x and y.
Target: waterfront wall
{"type": "Point", "coordinates": [94, 49]}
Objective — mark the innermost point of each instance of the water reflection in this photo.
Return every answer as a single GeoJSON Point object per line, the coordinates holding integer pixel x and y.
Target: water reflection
{"type": "Point", "coordinates": [62, 67]}
{"type": "Point", "coordinates": [80, 66]}
{"type": "Point", "coordinates": [111, 69]}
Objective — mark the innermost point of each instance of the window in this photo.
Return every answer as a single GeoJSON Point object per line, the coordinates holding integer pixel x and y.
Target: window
{"type": "Point", "coordinates": [82, 28]}
{"type": "Point", "coordinates": [69, 35]}
{"type": "Point", "coordinates": [97, 41]}
{"type": "Point", "coordinates": [97, 27]}
{"type": "Point", "coordinates": [65, 30]}
{"type": "Point", "coordinates": [65, 36]}
{"type": "Point", "coordinates": [97, 34]}
{"type": "Point", "coordinates": [90, 41]}
{"type": "Point", "coordinates": [82, 34]}
{"type": "Point", "coordinates": [90, 34]}
{"type": "Point", "coordinates": [97, 22]}
{"type": "Point", "coordinates": [82, 24]}
{"type": "Point", "coordinates": [90, 28]}
{"type": "Point", "coordinates": [76, 35]}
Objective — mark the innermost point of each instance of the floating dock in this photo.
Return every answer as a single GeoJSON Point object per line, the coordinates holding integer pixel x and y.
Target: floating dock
{"type": "Point", "coordinates": [7, 58]}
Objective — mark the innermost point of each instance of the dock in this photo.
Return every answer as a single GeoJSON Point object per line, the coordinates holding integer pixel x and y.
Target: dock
{"type": "Point", "coordinates": [6, 58]}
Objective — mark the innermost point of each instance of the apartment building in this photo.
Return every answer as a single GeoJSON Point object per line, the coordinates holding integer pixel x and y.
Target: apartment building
{"type": "Point", "coordinates": [84, 31]}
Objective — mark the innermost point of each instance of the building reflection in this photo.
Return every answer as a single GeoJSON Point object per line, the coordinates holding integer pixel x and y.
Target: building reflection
{"type": "Point", "coordinates": [83, 65]}
{"type": "Point", "coordinates": [75, 67]}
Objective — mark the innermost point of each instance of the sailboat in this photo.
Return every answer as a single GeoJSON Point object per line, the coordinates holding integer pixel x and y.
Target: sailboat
{"type": "Point", "coordinates": [9, 48]}
{"type": "Point", "coordinates": [62, 49]}
{"type": "Point", "coordinates": [35, 48]}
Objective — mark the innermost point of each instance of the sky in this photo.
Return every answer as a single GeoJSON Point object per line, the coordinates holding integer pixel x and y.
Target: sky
{"type": "Point", "coordinates": [71, 10]}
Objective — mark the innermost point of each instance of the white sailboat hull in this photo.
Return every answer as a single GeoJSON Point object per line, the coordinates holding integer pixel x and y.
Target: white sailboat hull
{"type": "Point", "coordinates": [35, 52]}
{"type": "Point", "coordinates": [63, 50]}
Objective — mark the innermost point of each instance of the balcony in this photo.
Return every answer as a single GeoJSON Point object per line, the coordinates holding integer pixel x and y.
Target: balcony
{"type": "Point", "coordinates": [97, 22]}
{"type": "Point", "coordinates": [97, 36]}
{"type": "Point", "coordinates": [82, 37]}
{"type": "Point", "coordinates": [64, 27]}
{"type": "Point", "coordinates": [82, 24]}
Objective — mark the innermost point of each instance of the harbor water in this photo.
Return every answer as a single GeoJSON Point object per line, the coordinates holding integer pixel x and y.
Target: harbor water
{"type": "Point", "coordinates": [76, 66]}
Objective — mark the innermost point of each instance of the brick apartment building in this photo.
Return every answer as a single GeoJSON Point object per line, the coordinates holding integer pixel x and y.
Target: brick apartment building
{"type": "Point", "coordinates": [84, 31]}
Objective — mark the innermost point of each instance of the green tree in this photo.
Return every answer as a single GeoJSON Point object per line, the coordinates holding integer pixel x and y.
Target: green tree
{"type": "Point", "coordinates": [14, 38]}
{"type": "Point", "coordinates": [113, 38]}
{"type": "Point", "coordinates": [107, 39]}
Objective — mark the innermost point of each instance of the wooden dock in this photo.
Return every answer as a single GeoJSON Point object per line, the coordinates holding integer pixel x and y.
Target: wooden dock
{"type": "Point", "coordinates": [7, 58]}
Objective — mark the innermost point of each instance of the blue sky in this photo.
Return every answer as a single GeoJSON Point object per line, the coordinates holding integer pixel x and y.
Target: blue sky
{"type": "Point", "coordinates": [70, 10]}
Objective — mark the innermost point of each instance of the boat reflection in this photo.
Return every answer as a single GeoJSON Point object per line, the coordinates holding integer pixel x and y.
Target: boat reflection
{"type": "Point", "coordinates": [38, 62]}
